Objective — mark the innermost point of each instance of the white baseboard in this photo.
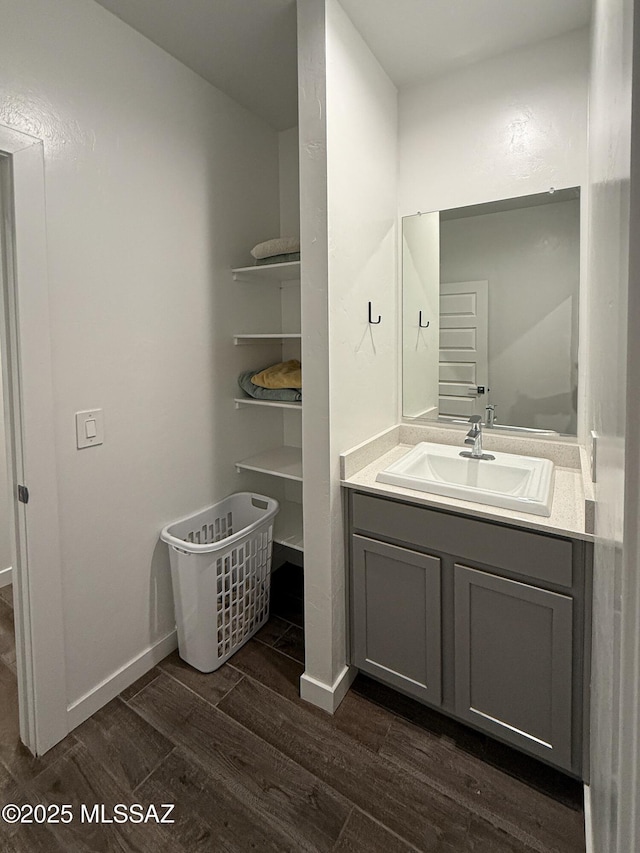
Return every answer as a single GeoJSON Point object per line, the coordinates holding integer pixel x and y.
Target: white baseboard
{"type": "Point", "coordinates": [325, 696]}
{"type": "Point", "coordinates": [83, 708]}
{"type": "Point", "coordinates": [588, 825]}
{"type": "Point", "coordinates": [6, 576]}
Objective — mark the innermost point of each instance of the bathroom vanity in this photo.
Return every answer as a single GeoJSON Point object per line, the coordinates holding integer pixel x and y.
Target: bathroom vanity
{"type": "Point", "coordinates": [474, 611]}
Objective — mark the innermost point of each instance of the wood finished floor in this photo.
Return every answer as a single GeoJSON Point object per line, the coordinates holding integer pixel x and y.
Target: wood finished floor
{"type": "Point", "coordinates": [250, 767]}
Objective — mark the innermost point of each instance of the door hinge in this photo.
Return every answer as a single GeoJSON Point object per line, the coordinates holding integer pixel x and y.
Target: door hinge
{"type": "Point", "coordinates": [23, 494]}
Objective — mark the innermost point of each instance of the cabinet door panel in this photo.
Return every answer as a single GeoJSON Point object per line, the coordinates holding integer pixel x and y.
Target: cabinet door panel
{"type": "Point", "coordinates": [396, 617]}
{"type": "Point", "coordinates": [513, 662]}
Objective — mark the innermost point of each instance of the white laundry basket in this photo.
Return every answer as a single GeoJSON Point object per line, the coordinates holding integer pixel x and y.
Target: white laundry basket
{"type": "Point", "coordinates": [221, 576]}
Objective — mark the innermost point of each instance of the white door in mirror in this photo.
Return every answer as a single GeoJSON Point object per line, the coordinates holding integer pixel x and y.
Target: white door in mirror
{"type": "Point", "coordinates": [464, 347]}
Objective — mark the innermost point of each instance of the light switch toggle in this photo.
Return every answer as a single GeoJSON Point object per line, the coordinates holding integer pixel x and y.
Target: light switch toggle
{"type": "Point", "coordinates": [89, 428]}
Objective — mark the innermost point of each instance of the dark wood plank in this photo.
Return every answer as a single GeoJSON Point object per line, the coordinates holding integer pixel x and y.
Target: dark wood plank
{"type": "Point", "coordinates": [136, 687]}
{"type": "Point", "coordinates": [18, 837]}
{"type": "Point", "coordinates": [10, 791]}
{"type": "Point", "coordinates": [534, 773]}
{"type": "Point", "coordinates": [289, 608]}
{"type": "Point", "coordinates": [288, 580]}
{"type": "Point", "coordinates": [287, 594]}
{"type": "Point", "coordinates": [537, 775]}
{"type": "Point", "coordinates": [363, 835]}
{"type": "Point", "coordinates": [32, 839]}
{"type": "Point", "coordinates": [274, 670]}
{"type": "Point", "coordinates": [361, 720]}
{"type": "Point", "coordinates": [292, 643]}
{"type": "Point", "coordinates": [125, 744]}
{"type": "Point", "coordinates": [504, 802]}
{"type": "Point", "coordinates": [14, 756]}
{"type": "Point", "coordinates": [422, 715]}
{"type": "Point", "coordinates": [480, 837]}
{"type": "Point", "coordinates": [6, 594]}
{"type": "Point", "coordinates": [275, 789]}
{"type": "Point", "coordinates": [272, 631]}
{"type": "Point", "coordinates": [77, 779]}
{"type": "Point", "coordinates": [212, 686]}
{"type": "Point", "coordinates": [209, 816]}
{"type": "Point", "coordinates": [405, 804]}
{"type": "Point", "coordinates": [7, 636]}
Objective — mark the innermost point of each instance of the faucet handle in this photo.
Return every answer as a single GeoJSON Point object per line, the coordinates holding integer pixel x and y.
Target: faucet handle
{"type": "Point", "coordinates": [475, 419]}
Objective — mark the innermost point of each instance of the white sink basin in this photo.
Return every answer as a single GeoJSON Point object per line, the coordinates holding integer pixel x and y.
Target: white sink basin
{"type": "Point", "coordinates": [520, 483]}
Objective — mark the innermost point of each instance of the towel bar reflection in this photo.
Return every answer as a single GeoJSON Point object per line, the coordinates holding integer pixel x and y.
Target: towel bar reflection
{"type": "Point", "coordinates": [421, 324]}
{"type": "Point", "coordinates": [371, 320]}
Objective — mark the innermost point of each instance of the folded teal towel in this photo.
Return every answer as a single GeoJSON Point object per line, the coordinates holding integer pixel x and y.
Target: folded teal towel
{"type": "Point", "coordinates": [285, 395]}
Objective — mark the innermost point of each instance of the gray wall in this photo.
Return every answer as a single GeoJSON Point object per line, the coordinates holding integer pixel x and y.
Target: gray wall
{"type": "Point", "coordinates": [531, 259]}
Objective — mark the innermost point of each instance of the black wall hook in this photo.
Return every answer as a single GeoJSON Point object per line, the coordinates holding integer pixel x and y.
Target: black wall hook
{"type": "Point", "coordinates": [421, 324]}
{"type": "Point", "coordinates": [371, 320]}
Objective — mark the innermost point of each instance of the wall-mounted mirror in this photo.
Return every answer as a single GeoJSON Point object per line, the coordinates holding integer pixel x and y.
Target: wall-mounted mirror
{"type": "Point", "coordinates": [490, 312]}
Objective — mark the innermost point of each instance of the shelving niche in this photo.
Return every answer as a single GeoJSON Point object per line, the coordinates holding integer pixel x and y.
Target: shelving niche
{"type": "Point", "coordinates": [283, 462]}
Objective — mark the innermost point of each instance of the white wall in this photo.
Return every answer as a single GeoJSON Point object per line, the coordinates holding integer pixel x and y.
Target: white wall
{"type": "Point", "coordinates": [613, 412]}
{"type": "Point", "coordinates": [5, 533]}
{"type": "Point", "coordinates": [348, 121]}
{"type": "Point", "coordinates": [289, 172]}
{"type": "Point", "coordinates": [5, 538]}
{"type": "Point", "coordinates": [362, 198]}
{"type": "Point", "coordinates": [148, 175]}
{"type": "Point", "coordinates": [504, 127]}
{"type": "Point", "coordinates": [531, 259]}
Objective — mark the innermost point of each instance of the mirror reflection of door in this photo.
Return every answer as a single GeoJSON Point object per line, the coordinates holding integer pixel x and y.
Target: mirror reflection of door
{"type": "Point", "coordinates": [464, 348]}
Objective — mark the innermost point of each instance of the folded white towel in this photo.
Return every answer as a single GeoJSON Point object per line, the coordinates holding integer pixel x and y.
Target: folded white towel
{"type": "Point", "coordinates": [277, 246]}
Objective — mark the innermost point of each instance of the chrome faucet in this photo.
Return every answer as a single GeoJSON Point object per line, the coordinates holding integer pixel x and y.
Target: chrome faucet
{"type": "Point", "coordinates": [474, 437]}
{"type": "Point", "coordinates": [491, 414]}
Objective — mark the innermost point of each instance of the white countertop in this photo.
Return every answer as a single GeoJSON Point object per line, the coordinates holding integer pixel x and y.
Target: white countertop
{"type": "Point", "coordinates": [567, 510]}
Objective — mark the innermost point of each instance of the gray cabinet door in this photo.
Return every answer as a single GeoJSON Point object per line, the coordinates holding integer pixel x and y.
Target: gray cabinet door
{"type": "Point", "coordinates": [513, 662]}
{"type": "Point", "coordinates": [396, 617]}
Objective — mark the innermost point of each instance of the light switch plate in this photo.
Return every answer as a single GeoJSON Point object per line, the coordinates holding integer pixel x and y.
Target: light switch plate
{"type": "Point", "coordinates": [84, 435]}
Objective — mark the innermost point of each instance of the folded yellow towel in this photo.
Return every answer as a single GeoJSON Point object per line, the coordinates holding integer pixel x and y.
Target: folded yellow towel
{"type": "Point", "coordinates": [286, 374]}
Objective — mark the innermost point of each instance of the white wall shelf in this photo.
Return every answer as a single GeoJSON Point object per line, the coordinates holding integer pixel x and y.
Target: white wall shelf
{"type": "Point", "coordinates": [285, 462]}
{"type": "Point", "coordinates": [273, 404]}
{"type": "Point", "coordinates": [289, 271]}
{"type": "Point", "coordinates": [288, 526]}
{"type": "Point", "coordinates": [242, 340]}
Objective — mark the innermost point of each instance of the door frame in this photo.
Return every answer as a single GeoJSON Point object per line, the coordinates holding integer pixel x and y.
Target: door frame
{"type": "Point", "coordinates": [29, 413]}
